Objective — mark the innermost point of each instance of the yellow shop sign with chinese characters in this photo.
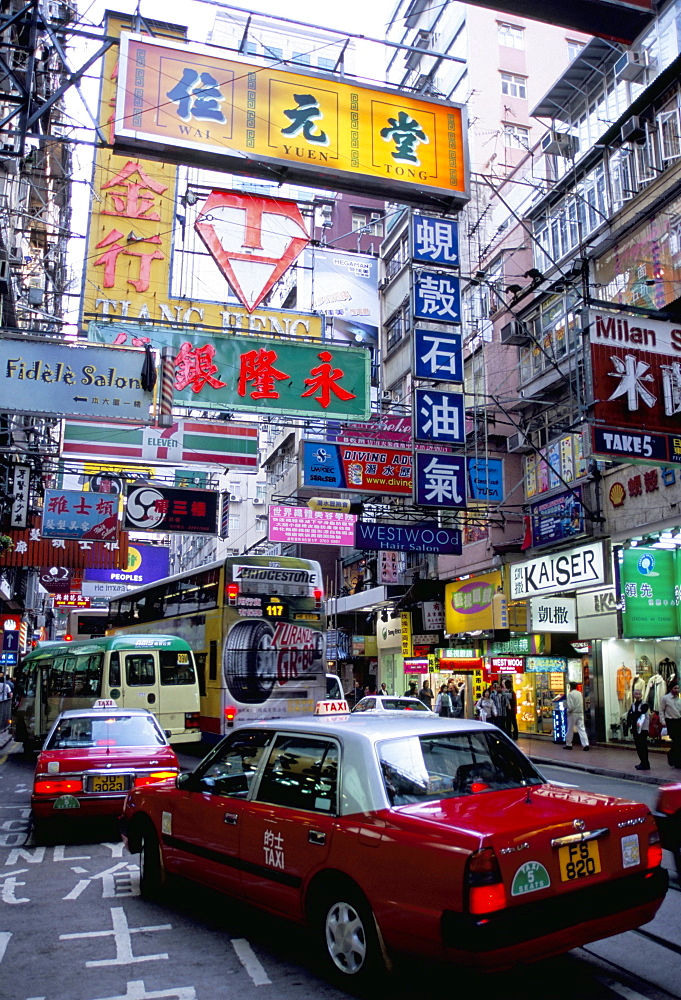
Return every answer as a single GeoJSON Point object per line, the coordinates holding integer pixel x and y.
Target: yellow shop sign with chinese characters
{"type": "Point", "coordinates": [192, 104]}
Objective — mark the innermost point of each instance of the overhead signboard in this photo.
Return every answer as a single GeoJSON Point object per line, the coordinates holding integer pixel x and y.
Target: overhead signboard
{"type": "Point", "coordinates": [185, 442]}
{"type": "Point", "coordinates": [41, 377]}
{"type": "Point", "coordinates": [263, 373]}
{"type": "Point", "coordinates": [357, 468]}
{"type": "Point", "coordinates": [439, 416]}
{"type": "Point", "coordinates": [72, 601]}
{"type": "Point", "coordinates": [56, 579]}
{"type": "Point", "coordinates": [435, 240]}
{"type": "Point", "coordinates": [440, 480]}
{"type": "Point", "coordinates": [21, 491]}
{"type": "Point", "coordinates": [303, 526]}
{"type": "Point", "coordinates": [469, 604]}
{"type": "Point", "coordinates": [30, 548]}
{"type": "Point", "coordinates": [345, 289]}
{"type": "Point", "coordinates": [438, 356]}
{"type": "Point", "coordinates": [161, 508]}
{"type": "Point", "coordinates": [437, 296]}
{"type": "Point", "coordinates": [636, 371]}
{"type": "Point", "coordinates": [558, 571]}
{"type": "Point", "coordinates": [553, 614]}
{"type": "Point", "coordinates": [82, 515]}
{"type": "Point", "coordinates": [558, 518]}
{"type": "Point", "coordinates": [486, 479]}
{"type": "Point", "coordinates": [146, 564]}
{"type": "Point", "coordinates": [190, 104]}
{"type": "Point", "coordinates": [649, 588]}
{"type": "Point", "coordinates": [427, 536]}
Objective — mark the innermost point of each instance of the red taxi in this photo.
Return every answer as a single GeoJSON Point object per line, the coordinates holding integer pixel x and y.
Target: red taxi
{"type": "Point", "coordinates": [92, 758]}
{"type": "Point", "coordinates": [402, 832]}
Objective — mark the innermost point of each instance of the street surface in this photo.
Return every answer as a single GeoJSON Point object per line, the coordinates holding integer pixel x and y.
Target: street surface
{"type": "Point", "coordinates": [74, 927]}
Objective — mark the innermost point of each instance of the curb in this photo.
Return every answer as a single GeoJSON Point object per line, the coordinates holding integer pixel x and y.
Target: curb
{"type": "Point", "coordinates": [647, 779]}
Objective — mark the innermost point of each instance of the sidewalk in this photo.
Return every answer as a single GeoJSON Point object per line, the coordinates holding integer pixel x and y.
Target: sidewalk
{"type": "Point", "coordinates": [616, 761]}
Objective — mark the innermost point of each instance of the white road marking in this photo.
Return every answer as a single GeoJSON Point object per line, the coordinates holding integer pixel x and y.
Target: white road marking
{"type": "Point", "coordinates": [250, 963]}
{"type": "Point", "coordinates": [621, 990]}
{"type": "Point", "coordinates": [121, 934]}
{"type": "Point", "coordinates": [34, 856]}
{"type": "Point", "coordinates": [82, 884]}
{"type": "Point", "coordinates": [8, 892]}
{"type": "Point", "coordinates": [78, 870]}
{"type": "Point", "coordinates": [59, 855]}
{"type": "Point", "coordinates": [4, 941]}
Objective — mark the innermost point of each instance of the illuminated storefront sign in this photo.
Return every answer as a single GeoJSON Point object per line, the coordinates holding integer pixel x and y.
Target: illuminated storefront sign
{"type": "Point", "coordinates": [72, 514]}
{"type": "Point", "coordinates": [558, 571]}
{"type": "Point", "coordinates": [193, 104]}
{"type": "Point", "coordinates": [649, 588]}
{"type": "Point", "coordinates": [300, 525]}
{"type": "Point", "coordinates": [469, 603]}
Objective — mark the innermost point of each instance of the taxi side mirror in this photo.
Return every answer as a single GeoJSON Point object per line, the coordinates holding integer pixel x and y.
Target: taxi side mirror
{"type": "Point", "coordinates": [184, 780]}
{"type": "Point", "coordinates": [167, 733]}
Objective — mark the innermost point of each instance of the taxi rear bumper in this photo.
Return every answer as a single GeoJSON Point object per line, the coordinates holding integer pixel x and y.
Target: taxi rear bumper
{"type": "Point", "coordinates": [556, 923]}
{"type": "Point", "coordinates": [109, 804]}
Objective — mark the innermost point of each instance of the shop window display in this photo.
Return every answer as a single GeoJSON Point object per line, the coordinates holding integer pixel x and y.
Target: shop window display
{"type": "Point", "coordinates": [647, 665]}
{"type": "Point", "coordinates": [536, 693]}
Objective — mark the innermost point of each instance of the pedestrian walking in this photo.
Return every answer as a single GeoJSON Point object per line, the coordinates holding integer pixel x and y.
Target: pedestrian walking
{"type": "Point", "coordinates": [443, 702]}
{"type": "Point", "coordinates": [485, 706]}
{"type": "Point", "coordinates": [5, 688]}
{"type": "Point", "coordinates": [427, 695]}
{"type": "Point", "coordinates": [500, 705]}
{"type": "Point", "coordinates": [511, 709]}
{"type": "Point", "coordinates": [638, 720]}
{"type": "Point", "coordinates": [670, 713]}
{"type": "Point", "coordinates": [575, 718]}
{"type": "Point", "coordinates": [383, 690]}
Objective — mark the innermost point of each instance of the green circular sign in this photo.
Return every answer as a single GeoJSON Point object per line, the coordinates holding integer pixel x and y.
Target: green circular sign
{"type": "Point", "coordinates": [529, 878]}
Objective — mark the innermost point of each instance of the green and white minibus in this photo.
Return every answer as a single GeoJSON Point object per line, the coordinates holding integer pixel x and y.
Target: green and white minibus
{"type": "Point", "coordinates": [155, 672]}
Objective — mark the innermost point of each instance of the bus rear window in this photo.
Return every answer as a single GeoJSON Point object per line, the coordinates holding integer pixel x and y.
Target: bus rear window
{"type": "Point", "coordinates": [176, 667]}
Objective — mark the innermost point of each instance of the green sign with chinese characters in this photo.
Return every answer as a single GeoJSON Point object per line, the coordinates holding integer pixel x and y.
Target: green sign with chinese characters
{"type": "Point", "coordinates": [218, 372]}
{"type": "Point", "coordinates": [649, 592]}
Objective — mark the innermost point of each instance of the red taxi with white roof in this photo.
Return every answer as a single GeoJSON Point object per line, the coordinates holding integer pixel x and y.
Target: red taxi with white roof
{"type": "Point", "coordinates": [93, 757]}
{"type": "Point", "coordinates": [398, 833]}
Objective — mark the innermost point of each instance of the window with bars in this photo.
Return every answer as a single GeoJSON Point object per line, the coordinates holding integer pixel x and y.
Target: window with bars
{"type": "Point", "coordinates": [397, 258]}
{"type": "Point", "coordinates": [513, 85]}
{"type": "Point", "coordinates": [516, 136]}
{"type": "Point", "coordinates": [398, 326]}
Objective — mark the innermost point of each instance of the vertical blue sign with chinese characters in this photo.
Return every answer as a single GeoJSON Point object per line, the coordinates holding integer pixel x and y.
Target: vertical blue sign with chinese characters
{"type": "Point", "coordinates": [440, 480]}
{"type": "Point", "coordinates": [438, 356]}
{"type": "Point", "coordinates": [435, 241]}
{"type": "Point", "coordinates": [439, 416]}
{"type": "Point", "coordinates": [437, 297]}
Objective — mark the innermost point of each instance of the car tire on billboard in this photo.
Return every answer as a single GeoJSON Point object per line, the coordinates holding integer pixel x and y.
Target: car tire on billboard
{"type": "Point", "coordinates": [250, 662]}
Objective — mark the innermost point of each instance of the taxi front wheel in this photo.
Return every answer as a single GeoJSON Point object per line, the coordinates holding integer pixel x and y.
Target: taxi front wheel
{"type": "Point", "coordinates": [350, 939]}
{"type": "Point", "coordinates": [152, 869]}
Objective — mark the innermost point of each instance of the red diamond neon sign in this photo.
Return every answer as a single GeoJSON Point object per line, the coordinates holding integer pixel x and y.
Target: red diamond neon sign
{"type": "Point", "coordinates": [253, 240]}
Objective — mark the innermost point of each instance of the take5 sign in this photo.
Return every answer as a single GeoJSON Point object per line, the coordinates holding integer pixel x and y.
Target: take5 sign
{"type": "Point", "coordinates": [192, 104]}
{"type": "Point", "coordinates": [636, 366]}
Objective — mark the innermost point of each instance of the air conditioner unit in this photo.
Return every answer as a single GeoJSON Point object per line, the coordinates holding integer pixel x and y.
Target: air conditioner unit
{"type": "Point", "coordinates": [389, 396]}
{"type": "Point", "coordinates": [234, 498]}
{"type": "Point", "coordinates": [559, 143]}
{"type": "Point", "coordinates": [630, 65]}
{"type": "Point", "coordinates": [258, 501]}
{"type": "Point", "coordinates": [383, 284]}
{"type": "Point", "coordinates": [514, 333]}
{"type": "Point", "coordinates": [633, 130]}
{"type": "Point", "coordinates": [518, 443]}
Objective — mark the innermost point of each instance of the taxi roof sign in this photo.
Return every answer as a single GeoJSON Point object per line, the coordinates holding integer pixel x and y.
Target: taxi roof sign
{"type": "Point", "coordinates": [332, 706]}
{"type": "Point", "coordinates": [105, 703]}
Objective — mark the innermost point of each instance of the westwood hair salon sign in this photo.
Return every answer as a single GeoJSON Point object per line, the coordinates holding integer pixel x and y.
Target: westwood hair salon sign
{"type": "Point", "coordinates": [558, 571]}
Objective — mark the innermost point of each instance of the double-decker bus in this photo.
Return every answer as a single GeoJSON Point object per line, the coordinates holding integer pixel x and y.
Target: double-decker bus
{"type": "Point", "coordinates": [87, 623]}
{"type": "Point", "coordinates": [258, 630]}
{"type": "Point", "coordinates": [155, 672]}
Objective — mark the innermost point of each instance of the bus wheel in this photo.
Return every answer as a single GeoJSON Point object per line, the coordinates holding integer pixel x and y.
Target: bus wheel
{"type": "Point", "coordinates": [250, 662]}
{"type": "Point", "coordinates": [152, 869]}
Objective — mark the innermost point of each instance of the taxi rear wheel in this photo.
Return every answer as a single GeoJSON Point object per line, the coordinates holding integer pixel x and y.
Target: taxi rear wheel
{"type": "Point", "coordinates": [152, 869]}
{"type": "Point", "coordinates": [349, 938]}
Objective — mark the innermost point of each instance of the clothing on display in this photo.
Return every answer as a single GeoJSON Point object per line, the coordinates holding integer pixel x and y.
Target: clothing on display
{"type": "Point", "coordinates": [655, 690]}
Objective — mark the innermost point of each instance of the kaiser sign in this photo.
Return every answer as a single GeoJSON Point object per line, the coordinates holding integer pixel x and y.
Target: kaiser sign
{"type": "Point", "coordinates": [558, 571]}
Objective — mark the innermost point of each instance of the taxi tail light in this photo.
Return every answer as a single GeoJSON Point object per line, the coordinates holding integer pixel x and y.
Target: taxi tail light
{"type": "Point", "coordinates": [59, 787]}
{"type": "Point", "coordinates": [232, 593]}
{"type": "Point", "coordinates": [230, 715]}
{"type": "Point", "coordinates": [153, 778]}
{"type": "Point", "coordinates": [654, 856]}
{"type": "Point", "coordinates": [486, 891]}
{"type": "Point", "coordinates": [191, 720]}
{"type": "Point", "coordinates": [318, 594]}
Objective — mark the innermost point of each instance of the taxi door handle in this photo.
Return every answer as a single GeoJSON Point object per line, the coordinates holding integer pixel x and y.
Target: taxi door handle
{"type": "Point", "coordinates": [231, 819]}
{"type": "Point", "coordinates": [316, 837]}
